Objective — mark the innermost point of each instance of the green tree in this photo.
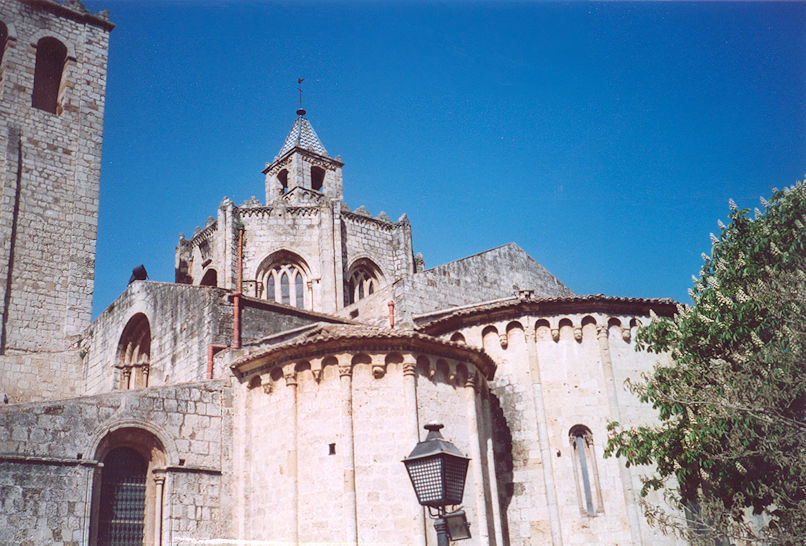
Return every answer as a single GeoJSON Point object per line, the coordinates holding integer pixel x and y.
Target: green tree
{"type": "Point", "coordinates": [729, 450]}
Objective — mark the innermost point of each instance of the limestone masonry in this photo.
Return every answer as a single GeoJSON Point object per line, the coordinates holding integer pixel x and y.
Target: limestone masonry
{"type": "Point", "coordinates": [270, 393]}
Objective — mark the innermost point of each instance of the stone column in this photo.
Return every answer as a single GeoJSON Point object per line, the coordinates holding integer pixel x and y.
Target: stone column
{"type": "Point", "coordinates": [543, 435]}
{"type": "Point", "coordinates": [159, 482]}
{"type": "Point", "coordinates": [602, 333]}
{"type": "Point", "coordinates": [491, 473]}
{"type": "Point", "coordinates": [413, 433]}
{"type": "Point", "coordinates": [290, 376]}
{"type": "Point", "coordinates": [350, 514]}
{"type": "Point", "coordinates": [471, 389]}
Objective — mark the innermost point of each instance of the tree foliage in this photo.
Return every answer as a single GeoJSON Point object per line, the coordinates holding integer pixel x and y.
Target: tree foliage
{"type": "Point", "coordinates": [731, 399]}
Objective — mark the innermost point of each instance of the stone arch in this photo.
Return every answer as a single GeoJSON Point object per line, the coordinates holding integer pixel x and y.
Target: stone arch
{"type": "Point", "coordinates": [49, 33]}
{"type": "Point", "coordinates": [364, 277]}
{"type": "Point", "coordinates": [127, 444]}
{"type": "Point", "coordinates": [542, 329]}
{"type": "Point", "coordinates": [317, 177]}
{"type": "Point", "coordinates": [589, 326]}
{"type": "Point", "coordinates": [458, 337]}
{"type": "Point", "coordinates": [49, 71]}
{"type": "Point", "coordinates": [565, 325]}
{"type": "Point", "coordinates": [210, 278]}
{"type": "Point", "coordinates": [490, 337]}
{"type": "Point", "coordinates": [443, 371]}
{"type": "Point", "coordinates": [285, 276]}
{"type": "Point", "coordinates": [133, 356]}
{"type": "Point", "coordinates": [515, 333]}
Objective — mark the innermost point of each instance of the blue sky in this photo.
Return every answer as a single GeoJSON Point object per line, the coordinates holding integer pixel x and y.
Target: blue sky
{"type": "Point", "coordinates": [605, 139]}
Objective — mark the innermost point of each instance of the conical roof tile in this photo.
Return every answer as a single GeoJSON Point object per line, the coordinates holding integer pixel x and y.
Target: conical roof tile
{"type": "Point", "coordinates": [303, 136]}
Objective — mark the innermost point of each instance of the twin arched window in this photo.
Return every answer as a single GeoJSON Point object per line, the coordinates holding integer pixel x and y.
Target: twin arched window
{"type": "Point", "coordinates": [363, 280]}
{"type": "Point", "coordinates": [51, 57]}
{"type": "Point", "coordinates": [134, 353]}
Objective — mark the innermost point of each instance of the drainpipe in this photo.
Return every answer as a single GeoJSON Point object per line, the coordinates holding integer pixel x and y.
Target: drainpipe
{"type": "Point", "coordinates": [236, 298]}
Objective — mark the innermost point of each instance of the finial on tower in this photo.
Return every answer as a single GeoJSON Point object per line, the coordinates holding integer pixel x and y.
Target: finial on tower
{"type": "Point", "coordinates": [301, 111]}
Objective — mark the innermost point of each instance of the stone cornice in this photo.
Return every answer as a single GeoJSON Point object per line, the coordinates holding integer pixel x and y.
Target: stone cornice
{"type": "Point", "coordinates": [204, 234]}
{"type": "Point", "coordinates": [539, 307]}
{"type": "Point", "coordinates": [324, 161]}
{"type": "Point", "coordinates": [75, 11]}
{"type": "Point", "coordinates": [360, 339]}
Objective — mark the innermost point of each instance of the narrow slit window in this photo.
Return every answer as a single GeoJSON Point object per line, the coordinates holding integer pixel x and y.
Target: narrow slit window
{"type": "Point", "coordinates": [270, 287]}
{"type": "Point", "coordinates": [282, 177]}
{"type": "Point", "coordinates": [585, 471]}
{"type": "Point", "coordinates": [284, 289]}
{"type": "Point", "coordinates": [299, 285]}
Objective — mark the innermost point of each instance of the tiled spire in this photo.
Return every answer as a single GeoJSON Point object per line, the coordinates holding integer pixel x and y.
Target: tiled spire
{"type": "Point", "coordinates": [302, 136]}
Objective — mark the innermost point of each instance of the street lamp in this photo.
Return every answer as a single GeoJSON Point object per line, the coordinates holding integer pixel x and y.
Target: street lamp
{"type": "Point", "coordinates": [437, 470]}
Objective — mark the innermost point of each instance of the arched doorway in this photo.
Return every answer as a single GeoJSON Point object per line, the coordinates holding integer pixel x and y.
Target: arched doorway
{"type": "Point", "coordinates": [122, 505]}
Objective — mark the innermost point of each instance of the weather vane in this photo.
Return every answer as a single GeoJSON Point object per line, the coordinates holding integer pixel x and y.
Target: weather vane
{"type": "Point", "coordinates": [301, 111]}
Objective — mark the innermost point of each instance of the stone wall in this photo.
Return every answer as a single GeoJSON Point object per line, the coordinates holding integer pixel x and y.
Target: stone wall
{"type": "Point", "coordinates": [386, 243]}
{"type": "Point", "coordinates": [555, 372]}
{"type": "Point", "coordinates": [49, 171]}
{"type": "Point", "coordinates": [183, 320]}
{"type": "Point", "coordinates": [497, 273]}
{"type": "Point", "coordinates": [49, 467]}
{"type": "Point", "coordinates": [319, 444]}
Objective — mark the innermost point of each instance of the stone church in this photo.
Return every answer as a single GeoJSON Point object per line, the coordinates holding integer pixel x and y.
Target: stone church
{"type": "Point", "coordinates": [268, 395]}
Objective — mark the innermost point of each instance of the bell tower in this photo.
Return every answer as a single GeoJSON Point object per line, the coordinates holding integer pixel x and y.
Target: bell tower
{"type": "Point", "coordinates": [303, 171]}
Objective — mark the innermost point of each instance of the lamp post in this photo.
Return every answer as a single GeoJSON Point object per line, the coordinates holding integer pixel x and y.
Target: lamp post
{"type": "Point", "coordinates": [437, 470]}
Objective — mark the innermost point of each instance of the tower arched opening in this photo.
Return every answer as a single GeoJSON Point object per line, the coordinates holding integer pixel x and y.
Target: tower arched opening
{"type": "Point", "coordinates": [51, 58]}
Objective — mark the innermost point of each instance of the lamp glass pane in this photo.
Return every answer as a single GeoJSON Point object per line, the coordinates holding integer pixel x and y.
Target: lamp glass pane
{"type": "Point", "coordinates": [455, 472]}
{"type": "Point", "coordinates": [426, 476]}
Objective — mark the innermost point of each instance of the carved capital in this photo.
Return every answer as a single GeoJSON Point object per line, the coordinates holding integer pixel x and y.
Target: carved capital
{"type": "Point", "coordinates": [345, 370]}
{"type": "Point", "coordinates": [378, 370]}
{"type": "Point", "coordinates": [555, 334]}
{"type": "Point", "coordinates": [267, 387]}
{"type": "Point", "coordinates": [472, 382]}
{"type": "Point", "coordinates": [578, 334]}
{"type": "Point", "coordinates": [601, 331]}
{"type": "Point", "coordinates": [290, 376]}
{"type": "Point", "coordinates": [504, 339]}
{"type": "Point", "coordinates": [626, 334]}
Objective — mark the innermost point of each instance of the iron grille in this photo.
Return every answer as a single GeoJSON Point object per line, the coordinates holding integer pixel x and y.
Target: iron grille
{"type": "Point", "coordinates": [123, 498]}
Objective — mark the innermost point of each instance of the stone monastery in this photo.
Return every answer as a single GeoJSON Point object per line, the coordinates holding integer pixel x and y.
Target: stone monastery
{"type": "Point", "coordinates": [270, 393]}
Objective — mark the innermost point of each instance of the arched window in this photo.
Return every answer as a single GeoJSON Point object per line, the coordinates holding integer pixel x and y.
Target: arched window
{"type": "Point", "coordinates": [134, 353]}
{"type": "Point", "coordinates": [585, 471]}
{"type": "Point", "coordinates": [122, 505]}
{"type": "Point", "coordinates": [210, 278]}
{"type": "Point", "coordinates": [284, 275]}
{"type": "Point", "coordinates": [364, 279]}
{"type": "Point", "coordinates": [317, 178]}
{"type": "Point", "coordinates": [51, 56]}
{"type": "Point", "coordinates": [282, 177]}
